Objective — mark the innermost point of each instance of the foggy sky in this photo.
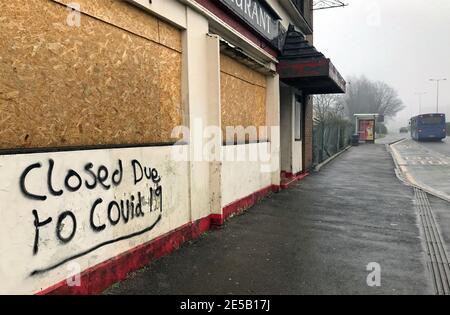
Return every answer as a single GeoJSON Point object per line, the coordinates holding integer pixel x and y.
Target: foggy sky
{"type": "Point", "coordinates": [401, 42]}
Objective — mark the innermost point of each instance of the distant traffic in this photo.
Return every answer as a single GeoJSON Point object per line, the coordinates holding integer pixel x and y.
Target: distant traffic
{"type": "Point", "coordinates": [428, 127]}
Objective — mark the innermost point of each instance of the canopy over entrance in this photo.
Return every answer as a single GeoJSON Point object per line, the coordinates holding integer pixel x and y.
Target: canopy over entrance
{"type": "Point", "coordinates": [307, 69]}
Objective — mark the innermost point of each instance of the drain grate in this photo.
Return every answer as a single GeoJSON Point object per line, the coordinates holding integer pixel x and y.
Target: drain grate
{"type": "Point", "coordinates": [438, 262]}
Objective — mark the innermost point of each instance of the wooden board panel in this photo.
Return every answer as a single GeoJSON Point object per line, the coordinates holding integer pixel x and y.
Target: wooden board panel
{"type": "Point", "coordinates": [124, 15]}
{"type": "Point", "coordinates": [169, 36]}
{"type": "Point", "coordinates": [90, 85]}
{"type": "Point", "coordinates": [239, 70]}
{"type": "Point", "coordinates": [170, 91]}
{"type": "Point", "coordinates": [120, 13]}
{"type": "Point", "coordinates": [243, 96]}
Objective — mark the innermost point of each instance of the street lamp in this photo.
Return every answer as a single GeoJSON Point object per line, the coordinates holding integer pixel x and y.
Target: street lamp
{"type": "Point", "coordinates": [420, 100]}
{"type": "Point", "coordinates": [437, 96]}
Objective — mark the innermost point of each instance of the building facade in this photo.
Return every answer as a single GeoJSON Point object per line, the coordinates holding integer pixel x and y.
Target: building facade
{"type": "Point", "coordinates": [130, 127]}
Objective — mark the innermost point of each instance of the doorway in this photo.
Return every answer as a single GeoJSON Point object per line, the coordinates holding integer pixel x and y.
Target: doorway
{"type": "Point", "coordinates": [292, 123]}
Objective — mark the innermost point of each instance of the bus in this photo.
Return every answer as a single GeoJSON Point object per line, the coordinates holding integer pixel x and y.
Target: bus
{"type": "Point", "coordinates": [430, 127]}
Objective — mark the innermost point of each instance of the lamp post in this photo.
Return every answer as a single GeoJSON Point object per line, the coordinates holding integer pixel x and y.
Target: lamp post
{"type": "Point", "coordinates": [437, 95]}
{"type": "Point", "coordinates": [420, 94]}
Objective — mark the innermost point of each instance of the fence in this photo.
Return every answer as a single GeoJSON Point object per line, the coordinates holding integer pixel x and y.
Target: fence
{"type": "Point", "coordinates": [329, 138]}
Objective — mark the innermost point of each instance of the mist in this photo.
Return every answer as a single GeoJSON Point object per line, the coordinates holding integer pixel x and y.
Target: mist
{"type": "Point", "coordinates": [403, 43]}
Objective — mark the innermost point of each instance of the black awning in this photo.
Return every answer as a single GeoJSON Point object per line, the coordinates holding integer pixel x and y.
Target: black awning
{"type": "Point", "coordinates": [303, 67]}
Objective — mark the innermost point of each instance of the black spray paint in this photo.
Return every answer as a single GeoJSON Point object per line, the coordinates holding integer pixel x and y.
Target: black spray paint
{"type": "Point", "coordinates": [116, 212]}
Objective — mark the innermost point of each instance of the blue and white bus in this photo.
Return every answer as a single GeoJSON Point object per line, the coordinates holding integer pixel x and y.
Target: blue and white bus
{"type": "Point", "coordinates": [428, 127]}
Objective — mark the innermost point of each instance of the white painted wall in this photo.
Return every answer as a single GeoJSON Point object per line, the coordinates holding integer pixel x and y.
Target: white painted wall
{"type": "Point", "coordinates": [242, 178]}
{"type": "Point", "coordinates": [196, 85]}
{"type": "Point", "coordinates": [273, 121]}
{"type": "Point", "coordinates": [17, 230]}
{"type": "Point", "coordinates": [287, 130]}
{"type": "Point", "coordinates": [297, 157]}
{"type": "Point", "coordinates": [291, 150]}
{"type": "Point", "coordinates": [215, 119]}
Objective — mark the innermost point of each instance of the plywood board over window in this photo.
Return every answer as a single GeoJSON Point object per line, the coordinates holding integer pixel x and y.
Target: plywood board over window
{"type": "Point", "coordinates": [243, 98]}
{"type": "Point", "coordinates": [115, 79]}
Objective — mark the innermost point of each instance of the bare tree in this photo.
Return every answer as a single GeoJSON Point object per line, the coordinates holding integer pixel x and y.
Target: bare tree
{"type": "Point", "coordinates": [328, 107]}
{"type": "Point", "coordinates": [387, 100]}
{"type": "Point", "coordinates": [365, 96]}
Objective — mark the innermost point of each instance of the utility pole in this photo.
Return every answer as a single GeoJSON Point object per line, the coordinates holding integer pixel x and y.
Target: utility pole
{"type": "Point", "coordinates": [437, 94]}
{"type": "Point", "coordinates": [420, 94]}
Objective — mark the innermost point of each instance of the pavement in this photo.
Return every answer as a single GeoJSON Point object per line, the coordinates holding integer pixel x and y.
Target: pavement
{"type": "Point", "coordinates": [391, 138]}
{"type": "Point", "coordinates": [441, 212]}
{"type": "Point", "coordinates": [425, 164]}
{"type": "Point", "coordinates": [316, 238]}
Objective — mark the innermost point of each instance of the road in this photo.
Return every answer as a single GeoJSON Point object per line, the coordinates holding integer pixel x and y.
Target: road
{"type": "Point", "coordinates": [440, 147]}
{"type": "Point", "coordinates": [426, 164]}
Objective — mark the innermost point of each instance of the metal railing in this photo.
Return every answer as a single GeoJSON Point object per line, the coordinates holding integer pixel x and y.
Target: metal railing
{"type": "Point", "coordinates": [330, 137]}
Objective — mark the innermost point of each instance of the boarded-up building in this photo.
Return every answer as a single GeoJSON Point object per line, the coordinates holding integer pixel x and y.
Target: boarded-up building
{"type": "Point", "coordinates": [129, 127]}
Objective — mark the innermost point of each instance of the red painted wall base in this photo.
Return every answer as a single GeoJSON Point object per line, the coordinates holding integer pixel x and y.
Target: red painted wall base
{"type": "Point", "coordinates": [289, 179]}
{"type": "Point", "coordinates": [98, 278]}
{"type": "Point", "coordinates": [242, 204]}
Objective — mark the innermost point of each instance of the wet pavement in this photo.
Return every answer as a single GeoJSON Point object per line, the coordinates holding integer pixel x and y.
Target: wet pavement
{"type": "Point", "coordinates": [441, 211]}
{"type": "Point", "coordinates": [391, 138]}
{"type": "Point", "coordinates": [316, 238]}
{"type": "Point", "coordinates": [426, 164]}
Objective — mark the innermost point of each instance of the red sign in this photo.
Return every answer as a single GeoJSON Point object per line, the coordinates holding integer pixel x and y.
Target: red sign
{"type": "Point", "coordinates": [367, 129]}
